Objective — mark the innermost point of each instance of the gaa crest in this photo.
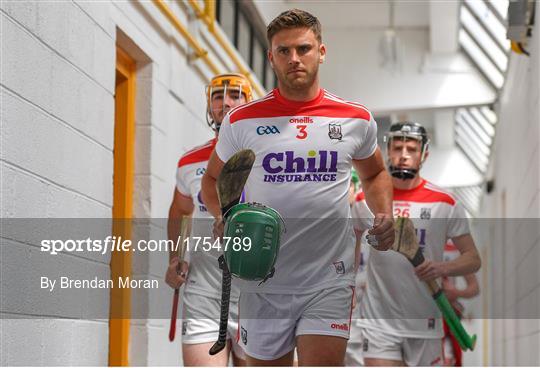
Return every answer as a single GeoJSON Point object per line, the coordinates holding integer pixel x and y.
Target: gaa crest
{"type": "Point", "coordinates": [340, 267]}
{"type": "Point", "coordinates": [425, 213]}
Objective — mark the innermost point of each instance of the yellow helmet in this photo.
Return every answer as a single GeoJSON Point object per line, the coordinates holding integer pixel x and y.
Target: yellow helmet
{"type": "Point", "coordinates": [229, 81]}
{"type": "Point", "coordinates": [226, 82]}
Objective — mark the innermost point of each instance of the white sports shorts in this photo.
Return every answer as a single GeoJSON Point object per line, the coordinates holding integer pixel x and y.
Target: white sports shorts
{"type": "Point", "coordinates": [200, 323]}
{"type": "Point", "coordinates": [353, 355]}
{"type": "Point", "coordinates": [413, 351]}
{"type": "Point", "coordinates": [270, 323]}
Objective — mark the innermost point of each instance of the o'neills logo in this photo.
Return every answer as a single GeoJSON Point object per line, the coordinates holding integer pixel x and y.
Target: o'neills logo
{"type": "Point", "coordinates": [288, 167]}
{"type": "Point", "coordinates": [301, 120]}
{"type": "Point", "coordinates": [342, 327]}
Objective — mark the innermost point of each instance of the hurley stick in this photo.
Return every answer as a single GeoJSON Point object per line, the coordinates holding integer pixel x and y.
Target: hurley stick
{"type": "Point", "coordinates": [230, 185]}
{"type": "Point", "coordinates": [407, 244]}
{"type": "Point", "coordinates": [184, 233]}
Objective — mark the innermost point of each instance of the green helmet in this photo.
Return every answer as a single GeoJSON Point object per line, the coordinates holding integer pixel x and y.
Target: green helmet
{"type": "Point", "coordinates": [263, 227]}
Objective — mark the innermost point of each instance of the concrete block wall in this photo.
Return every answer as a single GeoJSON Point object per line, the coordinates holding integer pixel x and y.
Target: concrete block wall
{"type": "Point", "coordinates": [57, 141]}
{"type": "Point", "coordinates": [514, 245]}
{"type": "Point", "coordinates": [57, 92]}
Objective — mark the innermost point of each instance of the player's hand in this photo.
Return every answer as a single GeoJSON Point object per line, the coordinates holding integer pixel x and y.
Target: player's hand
{"type": "Point", "coordinates": [450, 290]}
{"type": "Point", "coordinates": [218, 228]}
{"type": "Point", "coordinates": [176, 273]}
{"type": "Point", "coordinates": [381, 236]}
{"type": "Point", "coordinates": [430, 270]}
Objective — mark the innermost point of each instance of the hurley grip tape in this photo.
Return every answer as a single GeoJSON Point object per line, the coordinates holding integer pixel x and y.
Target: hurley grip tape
{"type": "Point", "coordinates": [225, 301]}
{"type": "Point", "coordinates": [465, 341]}
{"type": "Point", "coordinates": [418, 258]}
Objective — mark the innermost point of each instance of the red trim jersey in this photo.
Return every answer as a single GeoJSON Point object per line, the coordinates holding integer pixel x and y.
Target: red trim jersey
{"type": "Point", "coordinates": [304, 153]}
{"type": "Point", "coordinates": [450, 251]}
{"type": "Point", "coordinates": [396, 301]}
{"type": "Point", "coordinates": [204, 277]}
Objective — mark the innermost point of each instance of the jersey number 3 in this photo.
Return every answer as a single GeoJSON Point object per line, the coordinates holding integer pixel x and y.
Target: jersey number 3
{"type": "Point", "coordinates": [302, 134]}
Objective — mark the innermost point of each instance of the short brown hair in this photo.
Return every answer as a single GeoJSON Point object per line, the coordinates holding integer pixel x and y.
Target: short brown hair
{"type": "Point", "coordinates": [294, 18]}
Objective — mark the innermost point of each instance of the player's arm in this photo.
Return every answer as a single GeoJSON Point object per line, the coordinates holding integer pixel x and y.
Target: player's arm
{"type": "Point", "coordinates": [360, 215]}
{"type": "Point", "coordinates": [469, 260]}
{"type": "Point", "coordinates": [470, 291]}
{"type": "Point", "coordinates": [376, 183]}
{"type": "Point", "coordinates": [377, 186]}
{"type": "Point", "coordinates": [467, 263]}
{"type": "Point", "coordinates": [357, 249]}
{"type": "Point", "coordinates": [179, 211]}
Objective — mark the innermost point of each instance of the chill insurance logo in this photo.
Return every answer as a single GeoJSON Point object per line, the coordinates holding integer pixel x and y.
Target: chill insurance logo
{"type": "Point", "coordinates": [281, 167]}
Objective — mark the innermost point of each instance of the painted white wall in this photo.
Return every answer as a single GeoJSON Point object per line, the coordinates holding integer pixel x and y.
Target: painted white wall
{"type": "Point", "coordinates": [57, 93]}
{"type": "Point", "coordinates": [450, 168]}
{"type": "Point", "coordinates": [513, 247]}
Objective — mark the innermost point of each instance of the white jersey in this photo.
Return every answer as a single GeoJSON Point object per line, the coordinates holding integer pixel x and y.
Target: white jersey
{"type": "Point", "coordinates": [450, 251]}
{"type": "Point", "coordinates": [204, 277]}
{"type": "Point", "coordinates": [304, 152]}
{"type": "Point", "coordinates": [396, 301]}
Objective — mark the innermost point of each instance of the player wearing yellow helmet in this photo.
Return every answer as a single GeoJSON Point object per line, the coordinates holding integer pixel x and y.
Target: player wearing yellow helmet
{"type": "Point", "coordinates": [233, 85]}
{"type": "Point", "coordinates": [201, 275]}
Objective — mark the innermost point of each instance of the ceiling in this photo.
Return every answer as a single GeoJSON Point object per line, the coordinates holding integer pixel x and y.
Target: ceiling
{"type": "Point", "coordinates": [354, 14]}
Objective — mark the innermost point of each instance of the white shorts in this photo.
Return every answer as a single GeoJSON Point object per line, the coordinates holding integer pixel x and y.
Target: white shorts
{"type": "Point", "coordinates": [353, 355]}
{"type": "Point", "coordinates": [270, 323]}
{"type": "Point", "coordinates": [200, 324]}
{"type": "Point", "coordinates": [412, 351]}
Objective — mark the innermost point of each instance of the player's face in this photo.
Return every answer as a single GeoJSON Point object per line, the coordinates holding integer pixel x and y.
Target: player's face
{"type": "Point", "coordinates": [405, 153]}
{"type": "Point", "coordinates": [220, 104]}
{"type": "Point", "coordinates": [295, 55]}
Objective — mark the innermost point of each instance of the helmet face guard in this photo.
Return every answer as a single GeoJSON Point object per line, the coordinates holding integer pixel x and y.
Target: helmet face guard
{"type": "Point", "coordinates": [225, 84]}
{"type": "Point", "coordinates": [405, 131]}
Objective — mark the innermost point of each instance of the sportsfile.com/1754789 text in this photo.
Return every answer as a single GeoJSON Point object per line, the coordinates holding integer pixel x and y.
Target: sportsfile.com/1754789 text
{"type": "Point", "coordinates": [118, 243]}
